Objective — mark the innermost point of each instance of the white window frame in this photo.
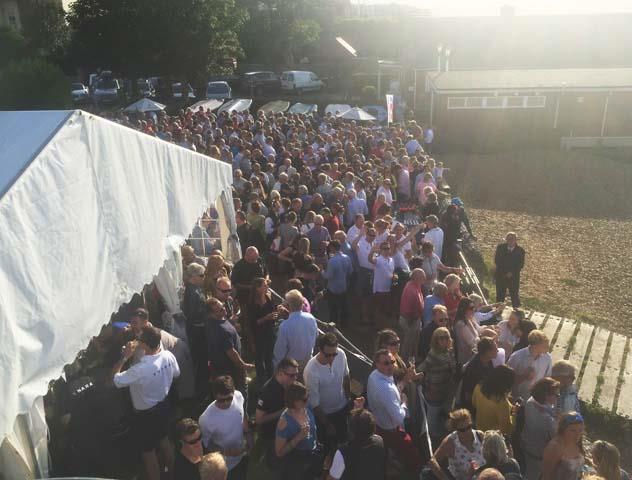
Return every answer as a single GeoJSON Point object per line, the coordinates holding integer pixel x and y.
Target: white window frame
{"type": "Point", "coordinates": [527, 101]}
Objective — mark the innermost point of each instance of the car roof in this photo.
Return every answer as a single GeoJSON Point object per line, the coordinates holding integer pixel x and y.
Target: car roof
{"type": "Point", "coordinates": [259, 71]}
{"type": "Point", "coordinates": [298, 71]}
{"type": "Point", "coordinates": [218, 82]}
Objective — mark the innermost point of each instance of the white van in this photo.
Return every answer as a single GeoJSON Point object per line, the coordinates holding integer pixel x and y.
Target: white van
{"type": "Point", "coordinates": [300, 81]}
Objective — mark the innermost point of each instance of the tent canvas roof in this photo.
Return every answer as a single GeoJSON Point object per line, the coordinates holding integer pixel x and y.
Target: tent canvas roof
{"type": "Point", "coordinates": [145, 105]}
{"type": "Point", "coordinates": [91, 212]}
{"type": "Point", "coordinates": [357, 113]}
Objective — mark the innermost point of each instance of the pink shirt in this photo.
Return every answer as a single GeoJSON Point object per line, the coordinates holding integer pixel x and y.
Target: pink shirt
{"type": "Point", "coordinates": [412, 303]}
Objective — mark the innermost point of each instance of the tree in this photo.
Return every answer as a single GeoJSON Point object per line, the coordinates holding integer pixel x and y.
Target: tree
{"type": "Point", "coordinates": [185, 39]}
{"type": "Point", "coordinates": [45, 28]}
{"type": "Point", "coordinates": [278, 31]}
{"type": "Point", "coordinates": [33, 84]}
{"type": "Point", "coordinates": [12, 45]}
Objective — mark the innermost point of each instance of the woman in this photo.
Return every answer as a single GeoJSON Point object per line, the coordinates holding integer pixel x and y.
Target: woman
{"type": "Point", "coordinates": [507, 337]}
{"type": "Point", "coordinates": [606, 458]}
{"type": "Point", "coordinates": [496, 455]}
{"type": "Point", "coordinates": [422, 193]}
{"type": "Point", "coordinates": [295, 442]}
{"type": "Point", "coordinates": [463, 448]}
{"type": "Point", "coordinates": [453, 296]}
{"type": "Point", "coordinates": [539, 424]}
{"type": "Point", "coordinates": [288, 230]}
{"type": "Point", "coordinates": [215, 268]}
{"type": "Point", "coordinates": [491, 401]}
{"type": "Point", "coordinates": [364, 456]}
{"type": "Point", "coordinates": [261, 316]}
{"type": "Point", "coordinates": [379, 202]}
{"type": "Point", "coordinates": [308, 222]}
{"type": "Point", "coordinates": [563, 457]}
{"type": "Point", "coordinates": [466, 329]}
{"type": "Point", "coordinates": [439, 368]}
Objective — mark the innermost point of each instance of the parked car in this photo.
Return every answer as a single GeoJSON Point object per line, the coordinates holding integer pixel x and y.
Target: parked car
{"type": "Point", "coordinates": [218, 90]}
{"type": "Point", "coordinates": [260, 82]}
{"type": "Point", "coordinates": [106, 90]}
{"type": "Point", "coordinates": [145, 88]}
{"type": "Point", "coordinates": [182, 91]}
{"type": "Point", "coordinates": [301, 81]}
{"type": "Point", "coordinates": [79, 93]}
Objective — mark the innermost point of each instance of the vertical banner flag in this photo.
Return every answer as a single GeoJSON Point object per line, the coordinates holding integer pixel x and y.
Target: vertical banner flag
{"type": "Point", "coordinates": [389, 108]}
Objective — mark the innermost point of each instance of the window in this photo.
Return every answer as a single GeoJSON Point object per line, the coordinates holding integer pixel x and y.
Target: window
{"type": "Point", "coordinates": [497, 102]}
{"type": "Point", "coordinates": [456, 102]}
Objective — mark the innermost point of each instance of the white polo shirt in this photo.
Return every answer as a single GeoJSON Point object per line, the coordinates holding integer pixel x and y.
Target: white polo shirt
{"type": "Point", "coordinates": [383, 274]}
{"type": "Point", "coordinates": [224, 427]}
{"type": "Point", "coordinates": [150, 379]}
{"type": "Point", "coordinates": [363, 250]}
{"type": "Point", "coordinates": [325, 383]}
{"type": "Point", "coordinates": [521, 360]}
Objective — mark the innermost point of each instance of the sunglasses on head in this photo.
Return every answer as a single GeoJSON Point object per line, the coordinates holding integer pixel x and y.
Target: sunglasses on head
{"type": "Point", "coordinates": [193, 441]}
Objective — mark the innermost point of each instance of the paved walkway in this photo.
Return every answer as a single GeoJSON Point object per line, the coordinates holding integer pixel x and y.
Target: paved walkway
{"type": "Point", "coordinates": [602, 359]}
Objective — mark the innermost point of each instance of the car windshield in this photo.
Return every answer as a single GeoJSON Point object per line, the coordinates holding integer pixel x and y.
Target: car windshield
{"type": "Point", "coordinates": [217, 88]}
{"type": "Point", "coordinates": [77, 86]}
{"type": "Point", "coordinates": [106, 84]}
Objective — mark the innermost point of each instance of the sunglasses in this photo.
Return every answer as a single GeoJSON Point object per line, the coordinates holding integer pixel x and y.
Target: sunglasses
{"type": "Point", "coordinates": [194, 440]}
{"type": "Point", "coordinates": [140, 314]}
{"type": "Point", "coordinates": [330, 355]}
{"type": "Point", "coordinates": [226, 290]}
{"type": "Point", "coordinates": [394, 343]}
{"type": "Point", "coordinates": [464, 429]}
{"type": "Point", "coordinates": [224, 400]}
{"type": "Point", "coordinates": [389, 362]}
{"type": "Point", "coordinates": [293, 375]}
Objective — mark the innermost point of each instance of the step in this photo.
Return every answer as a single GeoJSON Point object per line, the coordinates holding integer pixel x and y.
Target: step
{"type": "Point", "coordinates": [551, 326]}
{"type": "Point", "coordinates": [593, 366]}
{"type": "Point", "coordinates": [538, 318]}
{"type": "Point", "coordinates": [611, 371]}
{"type": "Point", "coordinates": [558, 351]}
{"type": "Point", "coordinates": [624, 403]}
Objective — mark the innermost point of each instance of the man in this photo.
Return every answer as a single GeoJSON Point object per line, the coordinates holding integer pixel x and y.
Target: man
{"type": "Point", "coordinates": [194, 309]}
{"type": "Point", "coordinates": [297, 335]}
{"type": "Point", "coordinates": [355, 206]}
{"type": "Point", "coordinates": [530, 364]}
{"type": "Point", "coordinates": [474, 371]}
{"type": "Point", "coordinates": [271, 401]}
{"type": "Point", "coordinates": [189, 450]}
{"type": "Point", "coordinates": [213, 467]}
{"type": "Point", "coordinates": [509, 260]}
{"type": "Point", "coordinates": [224, 346]}
{"type": "Point", "coordinates": [434, 234]}
{"type": "Point", "coordinates": [432, 265]}
{"type": "Point", "coordinates": [244, 231]}
{"type": "Point", "coordinates": [223, 292]}
{"type": "Point", "coordinates": [319, 238]}
{"type": "Point", "coordinates": [440, 318]}
{"type": "Point", "coordinates": [223, 425]}
{"type": "Point", "coordinates": [356, 229]}
{"type": "Point", "coordinates": [383, 277]}
{"type": "Point", "coordinates": [385, 189]}
{"type": "Point", "coordinates": [389, 407]}
{"type": "Point", "coordinates": [185, 384]}
{"type": "Point", "coordinates": [435, 298]}
{"type": "Point", "coordinates": [337, 274]}
{"type": "Point", "coordinates": [189, 257]}
{"type": "Point", "coordinates": [491, 474]}
{"type": "Point", "coordinates": [149, 382]}
{"type": "Point", "coordinates": [412, 145]}
{"type": "Point", "coordinates": [327, 380]}
{"type": "Point", "coordinates": [245, 271]}
{"type": "Point", "coordinates": [411, 311]}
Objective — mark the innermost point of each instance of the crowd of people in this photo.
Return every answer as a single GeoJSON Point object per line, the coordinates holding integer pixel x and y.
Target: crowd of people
{"type": "Point", "coordinates": [456, 390]}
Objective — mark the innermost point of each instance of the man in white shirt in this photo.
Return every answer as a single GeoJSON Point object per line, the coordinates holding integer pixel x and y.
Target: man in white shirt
{"type": "Point", "coordinates": [149, 382]}
{"type": "Point", "coordinates": [434, 234]}
{"type": "Point", "coordinates": [383, 277]}
{"type": "Point", "coordinates": [389, 407]}
{"type": "Point", "coordinates": [356, 229]}
{"type": "Point", "coordinates": [224, 423]}
{"type": "Point", "coordinates": [530, 364]}
{"type": "Point", "coordinates": [385, 189]}
{"type": "Point", "coordinates": [327, 380]}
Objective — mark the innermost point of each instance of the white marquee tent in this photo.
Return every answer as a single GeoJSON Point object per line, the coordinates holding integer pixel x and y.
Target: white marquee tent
{"type": "Point", "coordinates": [90, 212]}
{"type": "Point", "coordinates": [145, 105]}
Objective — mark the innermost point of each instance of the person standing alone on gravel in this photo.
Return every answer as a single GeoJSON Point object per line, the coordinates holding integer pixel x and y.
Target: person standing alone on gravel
{"type": "Point", "coordinates": [509, 260]}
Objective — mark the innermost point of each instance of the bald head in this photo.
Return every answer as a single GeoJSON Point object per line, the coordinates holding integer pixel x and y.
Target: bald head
{"type": "Point", "coordinates": [251, 255]}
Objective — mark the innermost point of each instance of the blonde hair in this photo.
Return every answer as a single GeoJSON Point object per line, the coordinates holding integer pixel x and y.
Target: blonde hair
{"type": "Point", "coordinates": [194, 269]}
{"type": "Point", "coordinates": [451, 279]}
{"type": "Point", "coordinates": [458, 418]}
{"type": "Point", "coordinates": [294, 300]}
{"type": "Point", "coordinates": [563, 368]}
{"type": "Point", "coordinates": [213, 467]}
{"type": "Point", "coordinates": [537, 337]}
{"type": "Point", "coordinates": [441, 332]}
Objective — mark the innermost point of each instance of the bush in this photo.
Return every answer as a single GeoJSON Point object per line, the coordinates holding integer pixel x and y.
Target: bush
{"type": "Point", "coordinates": [33, 84]}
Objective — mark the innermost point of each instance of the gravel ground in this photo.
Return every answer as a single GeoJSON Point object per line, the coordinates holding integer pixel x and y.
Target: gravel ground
{"type": "Point", "coordinates": [579, 268]}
